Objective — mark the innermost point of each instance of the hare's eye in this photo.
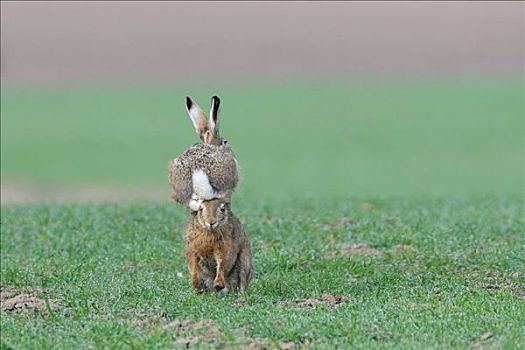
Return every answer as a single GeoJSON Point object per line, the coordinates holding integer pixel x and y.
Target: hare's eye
{"type": "Point", "coordinates": [224, 142]}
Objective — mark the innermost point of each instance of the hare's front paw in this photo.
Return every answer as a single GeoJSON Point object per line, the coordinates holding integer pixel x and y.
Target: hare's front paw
{"type": "Point", "coordinates": [219, 284]}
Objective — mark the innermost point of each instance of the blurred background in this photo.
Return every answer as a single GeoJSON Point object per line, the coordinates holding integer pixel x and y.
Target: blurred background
{"type": "Point", "coordinates": [325, 99]}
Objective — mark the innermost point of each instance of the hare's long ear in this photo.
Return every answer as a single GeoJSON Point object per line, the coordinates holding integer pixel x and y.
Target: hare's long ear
{"type": "Point", "coordinates": [198, 117]}
{"type": "Point", "coordinates": [214, 115]}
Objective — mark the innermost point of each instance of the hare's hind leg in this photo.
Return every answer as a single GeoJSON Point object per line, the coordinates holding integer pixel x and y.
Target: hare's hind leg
{"type": "Point", "coordinates": [233, 277]}
{"type": "Point", "coordinates": [245, 268]}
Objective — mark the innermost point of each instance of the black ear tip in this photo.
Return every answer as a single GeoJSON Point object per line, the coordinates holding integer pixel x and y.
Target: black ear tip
{"type": "Point", "coordinates": [215, 99]}
{"type": "Point", "coordinates": [189, 102]}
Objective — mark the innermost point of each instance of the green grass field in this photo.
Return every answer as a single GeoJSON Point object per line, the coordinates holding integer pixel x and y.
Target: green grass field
{"type": "Point", "coordinates": [439, 274]}
{"type": "Point", "coordinates": [321, 138]}
{"type": "Point", "coordinates": [403, 197]}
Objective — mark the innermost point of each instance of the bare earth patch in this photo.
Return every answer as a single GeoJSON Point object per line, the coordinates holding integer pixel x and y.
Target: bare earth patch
{"type": "Point", "coordinates": [15, 300]}
{"type": "Point", "coordinates": [265, 344]}
{"type": "Point", "coordinates": [286, 345]}
{"type": "Point", "coordinates": [493, 281]}
{"type": "Point", "coordinates": [483, 340]}
{"type": "Point", "coordinates": [189, 333]}
{"type": "Point", "coordinates": [518, 290]}
{"type": "Point", "coordinates": [326, 299]}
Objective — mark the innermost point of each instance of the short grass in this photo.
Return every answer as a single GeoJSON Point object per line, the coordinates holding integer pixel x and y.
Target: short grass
{"type": "Point", "coordinates": [460, 276]}
{"type": "Point", "coordinates": [438, 164]}
{"type": "Point", "coordinates": [328, 138]}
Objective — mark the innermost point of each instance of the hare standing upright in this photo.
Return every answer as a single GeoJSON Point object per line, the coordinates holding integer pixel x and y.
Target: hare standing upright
{"type": "Point", "coordinates": [218, 251]}
{"type": "Point", "coordinates": [208, 169]}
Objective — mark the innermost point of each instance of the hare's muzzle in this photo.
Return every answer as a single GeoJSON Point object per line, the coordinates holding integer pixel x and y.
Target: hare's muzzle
{"type": "Point", "coordinates": [211, 225]}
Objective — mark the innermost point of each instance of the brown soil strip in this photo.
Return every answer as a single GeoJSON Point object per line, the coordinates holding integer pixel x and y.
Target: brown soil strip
{"type": "Point", "coordinates": [22, 194]}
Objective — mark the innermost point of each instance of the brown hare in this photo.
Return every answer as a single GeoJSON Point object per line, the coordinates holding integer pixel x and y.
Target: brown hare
{"type": "Point", "coordinates": [218, 251]}
{"type": "Point", "coordinates": [208, 169]}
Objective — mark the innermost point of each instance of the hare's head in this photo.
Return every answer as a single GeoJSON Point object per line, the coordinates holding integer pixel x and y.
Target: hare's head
{"type": "Point", "coordinates": [208, 130]}
{"type": "Point", "coordinates": [213, 214]}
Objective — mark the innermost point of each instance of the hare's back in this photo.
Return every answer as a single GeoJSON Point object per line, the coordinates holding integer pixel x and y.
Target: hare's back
{"type": "Point", "coordinates": [218, 162]}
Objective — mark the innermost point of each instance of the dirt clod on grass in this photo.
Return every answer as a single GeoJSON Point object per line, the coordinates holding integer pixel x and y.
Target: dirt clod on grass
{"type": "Point", "coordinates": [245, 343]}
{"type": "Point", "coordinates": [494, 282]}
{"type": "Point", "coordinates": [484, 339]}
{"type": "Point", "coordinates": [15, 300]}
{"type": "Point", "coordinates": [360, 249]}
{"type": "Point", "coordinates": [340, 223]}
{"type": "Point", "coordinates": [286, 345]}
{"type": "Point", "coordinates": [326, 299]}
{"type": "Point", "coordinates": [518, 290]}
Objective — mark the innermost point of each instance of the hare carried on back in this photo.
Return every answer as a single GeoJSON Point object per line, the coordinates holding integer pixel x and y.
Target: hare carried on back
{"type": "Point", "coordinates": [208, 169]}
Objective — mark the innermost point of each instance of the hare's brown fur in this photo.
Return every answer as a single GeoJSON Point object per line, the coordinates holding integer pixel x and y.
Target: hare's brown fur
{"type": "Point", "coordinates": [217, 161]}
{"type": "Point", "coordinates": [218, 251]}
{"type": "Point", "coordinates": [212, 157]}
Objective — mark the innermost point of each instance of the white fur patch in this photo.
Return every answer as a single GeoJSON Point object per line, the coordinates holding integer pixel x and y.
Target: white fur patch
{"type": "Point", "coordinates": [195, 113]}
{"type": "Point", "coordinates": [201, 185]}
{"type": "Point", "coordinates": [202, 189]}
